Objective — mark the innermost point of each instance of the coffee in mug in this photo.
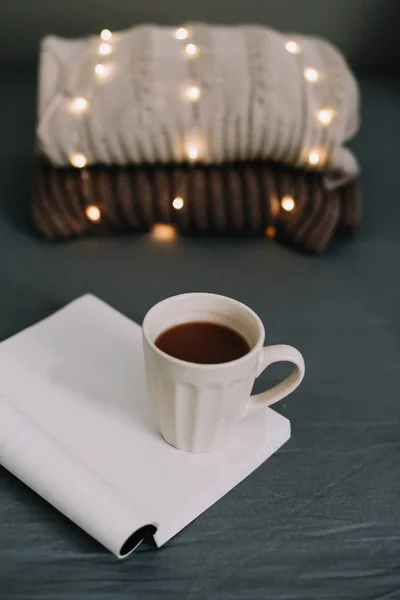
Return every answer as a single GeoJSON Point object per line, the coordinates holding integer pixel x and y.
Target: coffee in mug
{"type": "Point", "coordinates": [202, 355]}
{"type": "Point", "coordinates": [202, 342]}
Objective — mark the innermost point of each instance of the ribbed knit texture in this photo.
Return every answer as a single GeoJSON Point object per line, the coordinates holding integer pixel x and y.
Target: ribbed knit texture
{"type": "Point", "coordinates": [255, 101]}
{"type": "Point", "coordinates": [236, 198]}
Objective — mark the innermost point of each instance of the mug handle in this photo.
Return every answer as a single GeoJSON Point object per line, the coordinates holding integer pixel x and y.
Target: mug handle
{"type": "Point", "coordinates": [270, 355]}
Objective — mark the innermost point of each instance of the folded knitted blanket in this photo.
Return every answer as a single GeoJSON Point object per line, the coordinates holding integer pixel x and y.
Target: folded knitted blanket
{"type": "Point", "coordinates": [202, 94]}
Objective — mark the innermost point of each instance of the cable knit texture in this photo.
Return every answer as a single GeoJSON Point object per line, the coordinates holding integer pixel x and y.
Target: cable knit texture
{"type": "Point", "coordinates": [255, 101]}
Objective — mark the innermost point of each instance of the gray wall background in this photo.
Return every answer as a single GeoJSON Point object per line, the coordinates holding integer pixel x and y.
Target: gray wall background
{"type": "Point", "coordinates": [365, 30]}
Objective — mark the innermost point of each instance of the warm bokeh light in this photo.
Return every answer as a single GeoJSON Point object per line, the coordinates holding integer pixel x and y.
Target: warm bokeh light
{"type": "Point", "coordinates": [93, 213]}
{"type": "Point", "coordinates": [178, 203]}
{"type": "Point", "coordinates": [106, 35]}
{"type": "Point", "coordinates": [79, 105]}
{"type": "Point", "coordinates": [181, 33]}
{"type": "Point", "coordinates": [292, 47]}
{"type": "Point", "coordinates": [101, 70]}
{"type": "Point", "coordinates": [311, 74]}
{"type": "Point", "coordinates": [314, 157]}
{"type": "Point", "coordinates": [270, 231]}
{"type": "Point", "coordinates": [163, 232]}
{"type": "Point", "coordinates": [105, 49]}
{"type": "Point", "coordinates": [193, 93]}
{"type": "Point", "coordinates": [192, 152]}
{"type": "Point", "coordinates": [326, 116]}
{"type": "Point", "coordinates": [77, 159]}
{"type": "Point", "coordinates": [288, 203]}
{"type": "Point", "coordinates": [191, 49]}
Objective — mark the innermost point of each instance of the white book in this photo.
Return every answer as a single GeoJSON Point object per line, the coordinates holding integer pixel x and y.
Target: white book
{"type": "Point", "coordinates": [74, 427]}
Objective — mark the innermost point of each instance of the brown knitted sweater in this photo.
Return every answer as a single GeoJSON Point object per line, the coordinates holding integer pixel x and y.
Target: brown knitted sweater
{"type": "Point", "coordinates": [240, 198]}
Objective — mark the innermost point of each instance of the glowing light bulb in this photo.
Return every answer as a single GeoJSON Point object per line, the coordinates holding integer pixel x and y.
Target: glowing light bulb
{"type": "Point", "coordinates": [101, 71]}
{"type": "Point", "coordinates": [178, 203]}
{"type": "Point", "coordinates": [106, 35]}
{"type": "Point", "coordinates": [311, 74]}
{"type": "Point", "coordinates": [77, 159]}
{"type": "Point", "coordinates": [163, 232]}
{"type": "Point", "coordinates": [93, 213]}
{"type": "Point", "coordinates": [314, 157]}
{"type": "Point", "coordinates": [288, 203]}
{"type": "Point", "coordinates": [270, 231]}
{"type": "Point", "coordinates": [293, 47]}
{"type": "Point", "coordinates": [326, 116]}
{"type": "Point", "coordinates": [79, 105]}
{"type": "Point", "coordinates": [105, 49]}
{"type": "Point", "coordinates": [191, 49]}
{"type": "Point", "coordinates": [181, 33]}
{"type": "Point", "coordinates": [193, 93]}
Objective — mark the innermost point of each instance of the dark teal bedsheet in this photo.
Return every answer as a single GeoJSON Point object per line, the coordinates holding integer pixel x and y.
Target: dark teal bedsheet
{"type": "Point", "coordinates": [321, 519]}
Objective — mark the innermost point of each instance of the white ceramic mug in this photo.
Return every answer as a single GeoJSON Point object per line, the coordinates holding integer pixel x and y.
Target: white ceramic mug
{"type": "Point", "coordinates": [196, 406]}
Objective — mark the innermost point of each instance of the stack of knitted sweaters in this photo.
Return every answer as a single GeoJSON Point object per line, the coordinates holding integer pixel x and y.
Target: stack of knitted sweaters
{"type": "Point", "coordinates": [207, 128]}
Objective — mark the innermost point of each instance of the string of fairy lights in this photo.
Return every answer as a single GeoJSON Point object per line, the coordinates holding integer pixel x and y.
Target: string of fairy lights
{"type": "Point", "coordinates": [79, 105]}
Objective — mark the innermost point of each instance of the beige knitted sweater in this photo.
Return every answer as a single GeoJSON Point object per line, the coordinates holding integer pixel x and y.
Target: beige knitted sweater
{"type": "Point", "coordinates": [220, 94]}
